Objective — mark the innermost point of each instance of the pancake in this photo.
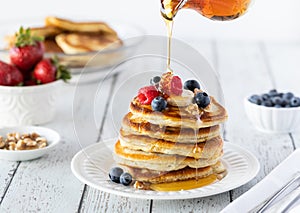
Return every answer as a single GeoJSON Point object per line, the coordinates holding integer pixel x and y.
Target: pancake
{"type": "Point", "coordinates": [137, 126]}
{"type": "Point", "coordinates": [67, 25]}
{"type": "Point", "coordinates": [45, 32]}
{"type": "Point", "coordinates": [160, 162]}
{"type": "Point", "coordinates": [72, 43]}
{"type": "Point", "coordinates": [179, 117]}
{"type": "Point", "coordinates": [51, 46]}
{"type": "Point", "coordinates": [152, 176]}
{"type": "Point", "coordinates": [152, 145]}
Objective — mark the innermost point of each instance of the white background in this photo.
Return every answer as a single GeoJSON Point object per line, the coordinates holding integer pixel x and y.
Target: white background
{"type": "Point", "coordinates": [266, 19]}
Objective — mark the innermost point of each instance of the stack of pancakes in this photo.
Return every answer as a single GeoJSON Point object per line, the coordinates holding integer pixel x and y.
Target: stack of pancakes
{"type": "Point", "coordinates": [176, 144]}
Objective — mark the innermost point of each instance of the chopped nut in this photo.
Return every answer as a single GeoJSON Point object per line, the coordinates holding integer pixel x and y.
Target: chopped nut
{"type": "Point", "coordinates": [40, 139]}
{"type": "Point", "coordinates": [17, 136]}
{"type": "Point", "coordinates": [12, 146]}
{"type": "Point", "coordinates": [42, 145]}
{"type": "Point", "coordinates": [192, 109]}
{"type": "Point", "coordinates": [21, 145]}
{"type": "Point", "coordinates": [2, 145]}
{"type": "Point", "coordinates": [25, 136]}
{"type": "Point", "coordinates": [15, 141]}
{"type": "Point", "coordinates": [31, 143]}
{"type": "Point", "coordinates": [141, 185]}
{"type": "Point", "coordinates": [34, 135]}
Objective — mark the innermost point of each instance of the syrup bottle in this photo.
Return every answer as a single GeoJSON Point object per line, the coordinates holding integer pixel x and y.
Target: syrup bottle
{"type": "Point", "coordinates": [212, 9]}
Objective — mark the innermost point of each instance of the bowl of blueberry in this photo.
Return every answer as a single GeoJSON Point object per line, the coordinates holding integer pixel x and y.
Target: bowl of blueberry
{"type": "Point", "coordinates": [274, 112]}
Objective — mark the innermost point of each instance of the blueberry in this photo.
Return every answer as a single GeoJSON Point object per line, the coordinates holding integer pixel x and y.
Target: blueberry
{"type": "Point", "coordinates": [284, 102]}
{"type": "Point", "coordinates": [115, 174]}
{"type": "Point", "coordinates": [202, 99]}
{"type": "Point", "coordinates": [273, 93]}
{"type": "Point", "coordinates": [126, 179]}
{"type": "Point", "coordinates": [287, 106]}
{"type": "Point", "coordinates": [295, 102]}
{"type": "Point", "coordinates": [265, 97]}
{"type": "Point", "coordinates": [276, 100]}
{"type": "Point", "coordinates": [277, 106]}
{"type": "Point", "coordinates": [256, 99]}
{"type": "Point", "coordinates": [191, 85]}
{"type": "Point", "coordinates": [158, 104]}
{"type": "Point", "coordinates": [267, 103]}
{"type": "Point", "coordinates": [288, 96]}
{"type": "Point", "coordinates": [155, 80]}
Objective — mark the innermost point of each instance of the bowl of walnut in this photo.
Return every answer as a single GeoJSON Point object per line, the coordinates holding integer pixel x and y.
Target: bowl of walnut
{"type": "Point", "coordinates": [26, 142]}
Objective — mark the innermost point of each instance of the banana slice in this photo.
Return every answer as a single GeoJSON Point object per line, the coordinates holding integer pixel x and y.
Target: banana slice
{"type": "Point", "coordinates": [185, 99]}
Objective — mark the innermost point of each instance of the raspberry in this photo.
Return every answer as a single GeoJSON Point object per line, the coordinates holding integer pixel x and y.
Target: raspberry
{"type": "Point", "coordinates": [176, 85]}
{"type": "Point", "coordinates": [147, 94]}
{"type": "Point", "coordinates": [171, 85]}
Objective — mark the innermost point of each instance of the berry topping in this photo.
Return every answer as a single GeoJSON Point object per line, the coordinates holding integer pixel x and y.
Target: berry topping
{"type": "Point", "coordinates": [126, 179]}
{"type": "Point", "coordinates": [191, 85]}
{"type": "Point", "coordinates": [158, 104]}
{"type": "Point", "coordinates": [295, 102]}
{"type": "Point", "coordinates": [176, 85]}
{"type": "Point", "coordinates": [202, 99]}
{"type": "Point", "coordinates": [115, 174]}
{"type": "Point", "coordinates": [155, 80]}
{"type": "Point", "coordinates": [170, 85]}
{"type": "Point", "coordinates": [147, 94]}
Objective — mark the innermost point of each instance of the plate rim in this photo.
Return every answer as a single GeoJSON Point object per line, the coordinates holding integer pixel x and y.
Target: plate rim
{"type": "Point", "coordinates": [80, 155]}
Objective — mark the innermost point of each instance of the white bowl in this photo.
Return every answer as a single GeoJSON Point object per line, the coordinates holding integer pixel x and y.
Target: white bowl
{"type": "Point", "coordinates": [52, 137]}
{"type": "Point", "coordinates": [28, 105]}
{"type": "Point", "coordinates": [271, 119]}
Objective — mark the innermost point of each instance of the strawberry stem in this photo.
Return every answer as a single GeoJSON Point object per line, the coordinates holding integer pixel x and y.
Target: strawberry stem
{"type": "Point", "coordinates": [62, 72]}
{"type": "Point", "coordinates": [24, 38]}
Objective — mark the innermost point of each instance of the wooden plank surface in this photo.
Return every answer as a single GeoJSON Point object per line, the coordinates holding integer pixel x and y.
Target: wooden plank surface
{"type": "Point", "coordinates": [47, 184]}
{"type": "Point", "coordinates": [246, 67]}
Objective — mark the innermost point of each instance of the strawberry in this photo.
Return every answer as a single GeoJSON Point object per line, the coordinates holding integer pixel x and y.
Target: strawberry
{"type": "Point", "coordinates": [27, 52]}
{"type": "Point", "coordinates": [170, 85]}
{"type": "Point", "coordinates": [30, 82]}
{"type": "Point", "coordinates": [10, 75]}
{"type": "Point", "coordinates": [48, 70]}
{"type": "Point", "coordinates": [147, 94]}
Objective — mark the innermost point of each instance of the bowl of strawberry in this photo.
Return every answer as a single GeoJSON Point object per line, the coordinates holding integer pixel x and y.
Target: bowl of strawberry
{"type": "Point", "coordinates": [29, 83]}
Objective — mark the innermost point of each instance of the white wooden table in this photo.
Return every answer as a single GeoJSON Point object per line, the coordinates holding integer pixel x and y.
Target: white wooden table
{"type": "Point", "coordinates": [48, 185]}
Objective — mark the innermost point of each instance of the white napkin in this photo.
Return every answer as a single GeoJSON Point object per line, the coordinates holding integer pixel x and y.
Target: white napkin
{"type": "Point", "coordinates": [266, 187]}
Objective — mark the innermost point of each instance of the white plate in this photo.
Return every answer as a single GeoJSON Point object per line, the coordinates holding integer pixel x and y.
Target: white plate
{"type": "Point", "coordinates": [91, 166]}
{"type": "Point", "coordinates": [52, 137]}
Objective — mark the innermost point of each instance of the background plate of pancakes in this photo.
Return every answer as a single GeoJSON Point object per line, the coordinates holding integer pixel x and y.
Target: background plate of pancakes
{"type": "Point", "coordinates": [92, 164]}
{"type": "Point", "coordinates": [88, 46]}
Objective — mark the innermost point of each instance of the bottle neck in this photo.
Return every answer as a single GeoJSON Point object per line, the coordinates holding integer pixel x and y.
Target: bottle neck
{"type": "Point", "coordinates": [169, 8]}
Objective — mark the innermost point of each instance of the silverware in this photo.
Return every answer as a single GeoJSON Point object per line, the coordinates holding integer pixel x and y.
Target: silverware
{"type": "Point", "coordinates": [291, 203]}
{"type": "Point", "coordinates": [265, 204]}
